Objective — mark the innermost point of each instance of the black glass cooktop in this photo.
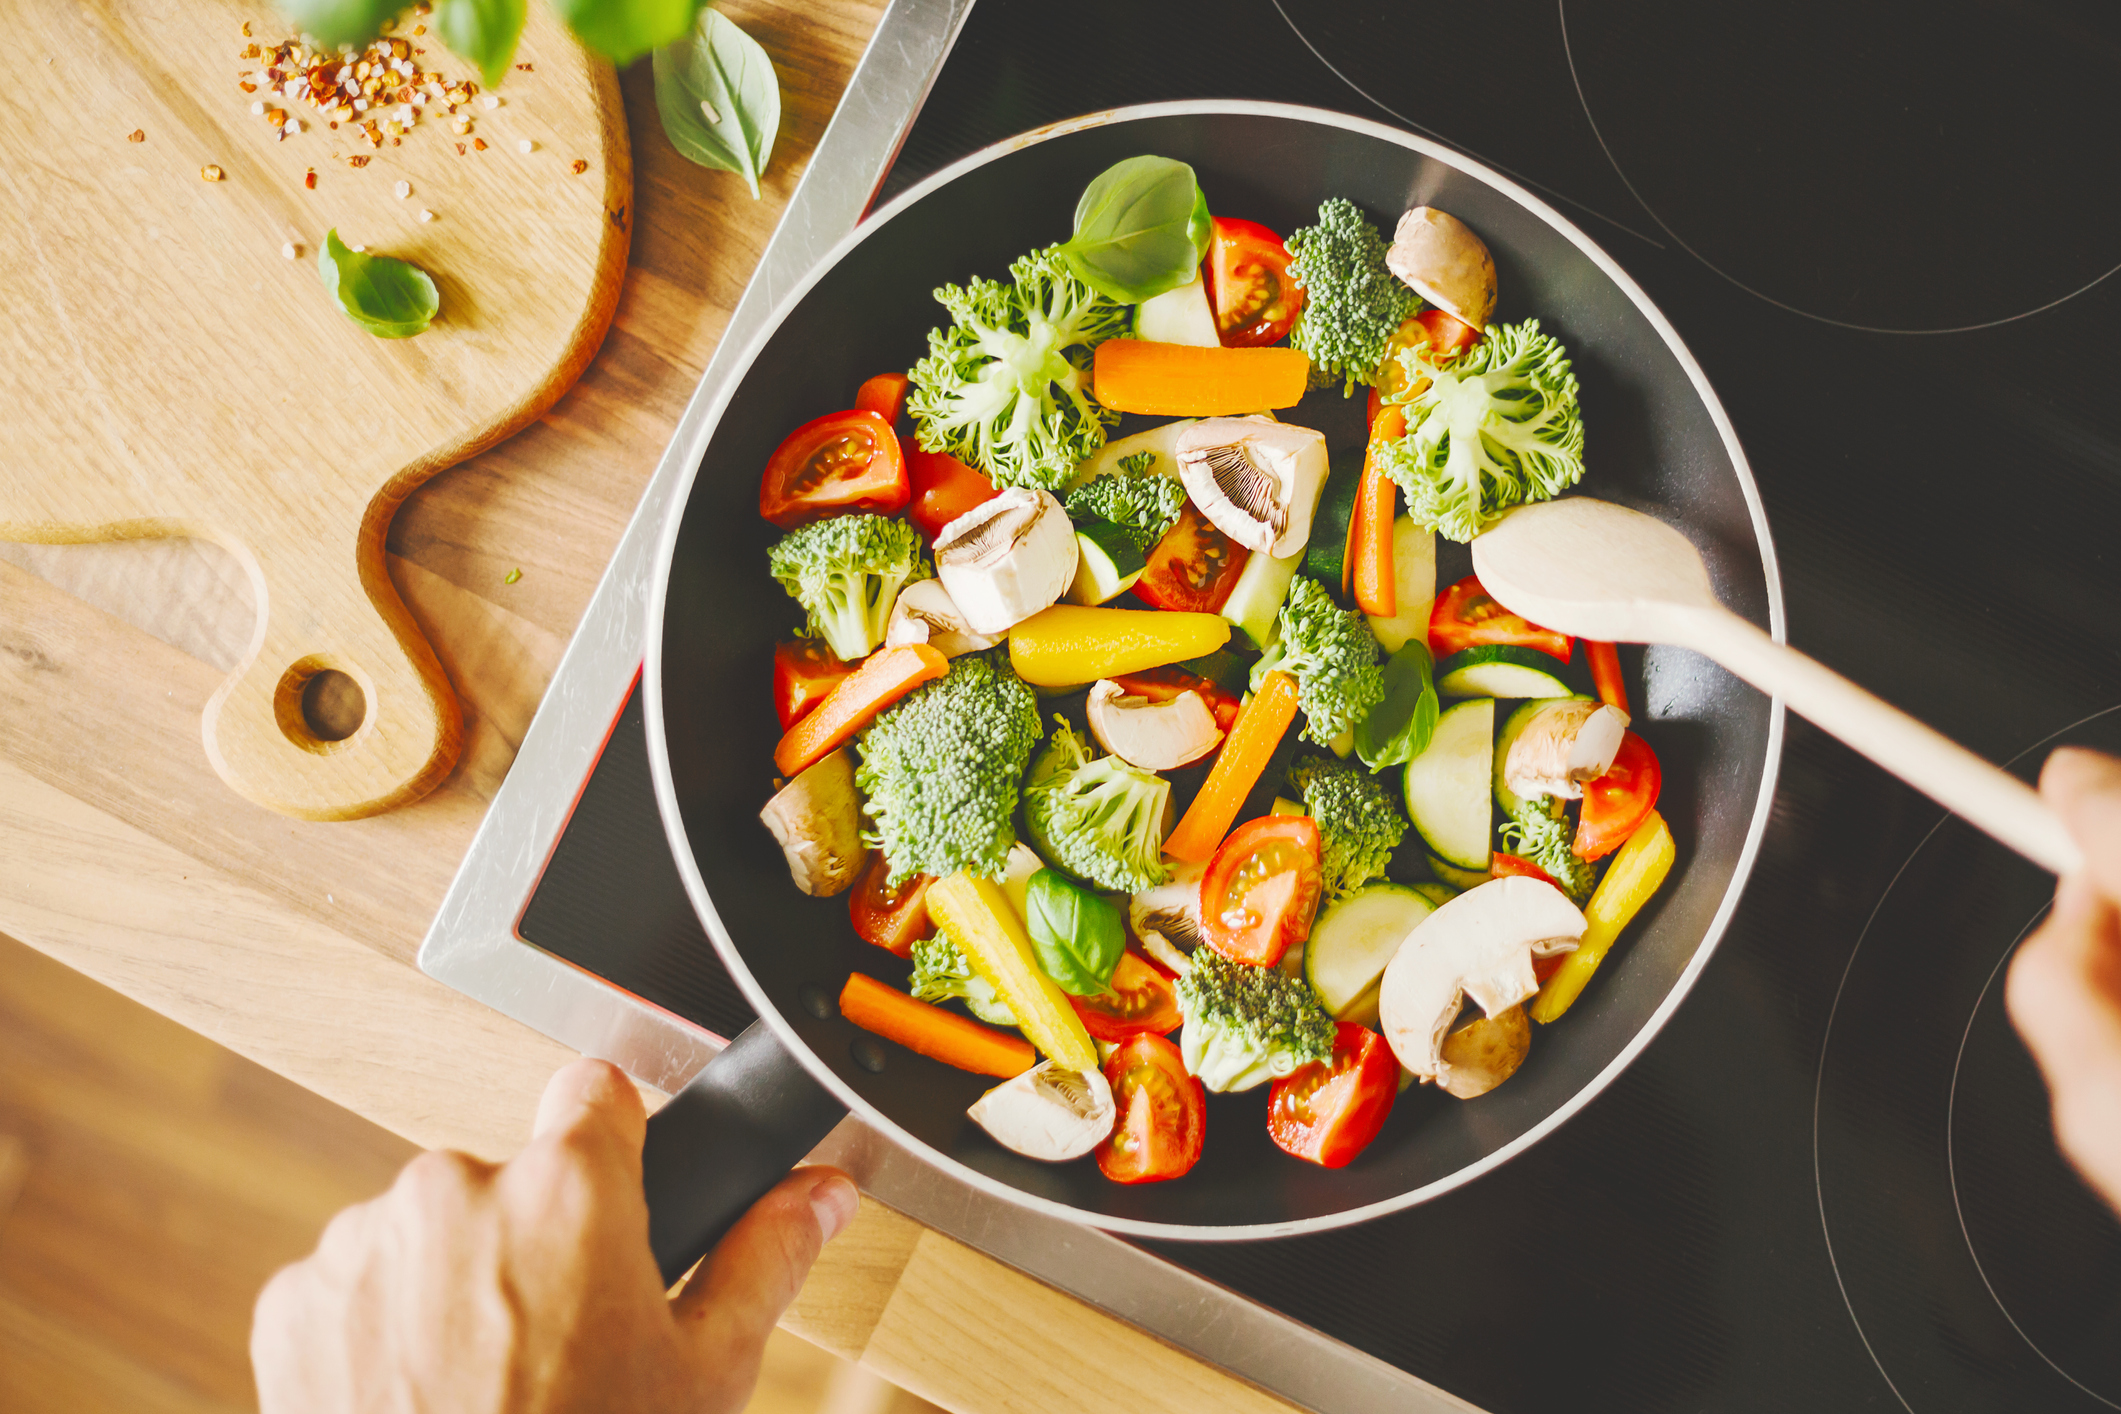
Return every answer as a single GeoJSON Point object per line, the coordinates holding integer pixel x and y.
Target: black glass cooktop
{"type": "Point", "coordinates": [1885, 231]}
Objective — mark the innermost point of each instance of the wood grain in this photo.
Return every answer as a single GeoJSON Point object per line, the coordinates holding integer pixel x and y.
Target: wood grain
{"type": "Point", "coordinates": [277, 427]}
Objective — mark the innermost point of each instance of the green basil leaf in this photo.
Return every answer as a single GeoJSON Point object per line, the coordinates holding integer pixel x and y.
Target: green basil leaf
{"type": "Point", "coordinates": [623, 30]}
{"type": "Point", "coordinates": [483, 31]}
{"type": "Point", "coordinates": [1398, 728]}
{"type": "Point", "coordinates": [337, 22]}
{"type": "Point", "coordinates": [1141, 228]}
{"type": "Point", "coordinates": [719, 98]}
{"type": "Point", "coordinates": [1075, 931]}
{"type": "Point", "coordinates": [391, 299]}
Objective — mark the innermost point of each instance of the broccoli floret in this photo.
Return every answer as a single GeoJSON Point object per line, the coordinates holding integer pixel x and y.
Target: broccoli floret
{"type": "Point", "coordinates": [1352, 303]}
{"type": "Point", "coordinates": [1333, 656]}
{"type": "Point", "coordinates": [1005, 387]}
{"type": "Point", "coordinates": [846, 572]}
{"type": "Point", "coordinates": [1098, 818]}
{"type": "Point", "coordinates": [939, 770]}
{"type": "Point", "coordinates": [1142, 503]}
{"type": "Point", "coordinates": [1359, 819]}
{"type": "Point", "coordinates": [940, 972]}
{"type": "Point", "coordinates": [1495, 427]}
{"type": "Point", "coordinates": [1538, 832]}
{"type": "Point", "coordinates": [1248, 1025]}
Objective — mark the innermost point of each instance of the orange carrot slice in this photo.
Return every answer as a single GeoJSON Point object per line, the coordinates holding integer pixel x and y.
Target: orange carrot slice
{"type": "Point", "coordinates": [1180, 380]}
{"type": "Point", "coordinates": [1369, 555]}
{"type": "Point", "coordinates": [882, 679]}
{"type": "Point", "coordinates": [1259, 728]}
{"type": "Point", "coordinates": [1604, 659]}
{"type": "Point", "coordinates": [931, 1031]}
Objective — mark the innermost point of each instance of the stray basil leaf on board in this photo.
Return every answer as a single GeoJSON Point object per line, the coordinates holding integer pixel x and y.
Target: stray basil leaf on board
{"type": "Point", "coordinates": [624, 30]}
{"type": "Point", "coordinates": [391, 299]}
{"type": "Point", "coordinates": [336, 22]}
{"type": "Point", "coordinates": [719, 98]}
{"type": "Point", "coordinates": [483, 31]}
{"type": "Point", "coordinates": [1141, 228]}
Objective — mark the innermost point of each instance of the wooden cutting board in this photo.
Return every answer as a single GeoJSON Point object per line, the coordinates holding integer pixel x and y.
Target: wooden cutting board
{"type": "Point", "coordinates": [168, 370]}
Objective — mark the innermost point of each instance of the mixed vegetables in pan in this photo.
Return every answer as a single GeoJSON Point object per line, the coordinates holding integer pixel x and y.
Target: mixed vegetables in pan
{"type": "Point", "coordinates": [1118, 743]}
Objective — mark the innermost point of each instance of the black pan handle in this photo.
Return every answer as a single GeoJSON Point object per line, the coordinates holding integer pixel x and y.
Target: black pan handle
{"type": "Point", "coordinates": [748, 1117]}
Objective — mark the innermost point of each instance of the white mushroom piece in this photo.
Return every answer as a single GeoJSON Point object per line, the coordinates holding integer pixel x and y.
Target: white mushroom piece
{"type": "Point", "coordinates": [1479, 945]}
{"type": "Point", "coordinates": [1255, 479]}
{"type": "Point", "coordinates": [1048, 1112]}
{"type": "Point", "coordinates": [1006, 559]}
{"type": "Point", "coordinates": [1484, 1052]}
{"type": "Point", "coordinates": [1167, 917]}
{"type": "Point", "coordinates": [1438, 257]}
{"type": "Point", "coordinates": [1156, 736]}
{"type": "Point", "coordinates": [817, 820]}
{"type": "Point", "coordinates": [925, 613]}
{"type": "Point", "coordinates": [1567, 742]}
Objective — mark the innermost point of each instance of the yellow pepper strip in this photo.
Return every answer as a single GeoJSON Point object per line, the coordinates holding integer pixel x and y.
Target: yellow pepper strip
{"type": "Point", "coordinates": [976, 915]}
{"type": "Point", "coordinates": [1069, 644]}
{"type": "Point", "coordinates": [1636, 873]}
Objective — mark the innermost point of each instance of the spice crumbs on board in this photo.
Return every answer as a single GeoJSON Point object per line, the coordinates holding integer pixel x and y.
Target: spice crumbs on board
{"type": "Point", "coordinates": [211, 173]}
{"type": "Point", "coordinates": [137, 135]}
{"type": "Point", "coordinates": [578, 167]}
{"type": "Point", "coordinates": [309, 179]}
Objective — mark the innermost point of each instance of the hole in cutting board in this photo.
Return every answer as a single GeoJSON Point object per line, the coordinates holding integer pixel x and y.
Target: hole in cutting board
{"type": "Point", "coordinates": [319, 706]}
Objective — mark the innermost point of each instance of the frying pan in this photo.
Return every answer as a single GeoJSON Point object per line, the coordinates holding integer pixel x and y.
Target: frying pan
{"type": "Point", "coordinates": [1657, 438]}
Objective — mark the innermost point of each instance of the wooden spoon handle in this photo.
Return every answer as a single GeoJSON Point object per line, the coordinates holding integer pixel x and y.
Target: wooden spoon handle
{"type": "Point", "coordinates": [1926, 759]}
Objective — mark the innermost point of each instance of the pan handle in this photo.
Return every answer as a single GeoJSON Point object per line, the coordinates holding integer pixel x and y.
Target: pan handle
{"type": "Point", "coordinates": [733, 1132]}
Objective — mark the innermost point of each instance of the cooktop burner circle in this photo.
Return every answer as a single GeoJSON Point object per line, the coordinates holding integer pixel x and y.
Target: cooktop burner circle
{"type": "Point", "coordinates": [1954, 1227]}
{"type": "Point", "coordinates": [2002, 1152]}
{"type": "Point", "coordinates": [1897, 168]}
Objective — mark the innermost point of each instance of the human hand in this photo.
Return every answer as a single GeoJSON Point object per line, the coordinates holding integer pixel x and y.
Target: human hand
{"type": "Point", "coordinates": [528, 1287]}
{"type": "Point", "coordinates": [2064, 991]}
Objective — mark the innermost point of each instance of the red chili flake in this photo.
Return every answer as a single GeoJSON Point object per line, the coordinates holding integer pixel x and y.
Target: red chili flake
{"type": "Point", "coordinates": [460, 149]}
{"type": "Point", "coordinates": [360, 161]}
{"type": "Point", "coordinates": [479, 143]}
{"type": "Point", "coordinates": [309, 179]}
{"type": "Point", "coordinates": [525, 68]}
{"type": "Point", "coordinates": [247, 87]}
{"type": "Point", "coordinates": [137, 135]}
{"type": "Point", "coordinates": [579, 167]}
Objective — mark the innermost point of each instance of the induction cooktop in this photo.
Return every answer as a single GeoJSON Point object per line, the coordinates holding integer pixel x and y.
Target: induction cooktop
{"type": "Point", "coordinates": [1884, 230]}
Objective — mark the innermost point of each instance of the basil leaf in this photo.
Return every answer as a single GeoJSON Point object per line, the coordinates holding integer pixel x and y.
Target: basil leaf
{"type": "Point", "coordinates": [719, 98]}
{"type": "Point", "coordinates": [1399, 727]}
{"type": "Point", "coordinates": [483, 31]}
{"type": "Point", "coordinates": [1076, 932]}
{"type": "Point", "coordinates": [1141, 228]}
{"type": "Point", "coordinates": [391, 299]}
{"type": "Point", "coordinates": [339, 22]}
{"type": "Point", "coordinates": [624, 30]}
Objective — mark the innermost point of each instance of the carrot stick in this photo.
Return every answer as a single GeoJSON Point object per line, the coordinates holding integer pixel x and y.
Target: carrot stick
{"type": "Point", "coordinates": [882, 679]}
{"type": "Point", "coordinates": [1259, 727]}
{"type": "Point", "coordinates": [931, 1031]}
{"type": "Point", "coordinates": [1369, 557]}
{"type": "Point", "coordinates": [1605, 673]}
{"type": "Point", "coordinates": [1180, 380]}
{"type": "Point", "coordinates": [883, 395]}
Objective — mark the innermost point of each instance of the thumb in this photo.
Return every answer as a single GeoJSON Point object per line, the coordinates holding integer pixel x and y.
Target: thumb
{"type": "Point", "coordinates": [734, 1299]}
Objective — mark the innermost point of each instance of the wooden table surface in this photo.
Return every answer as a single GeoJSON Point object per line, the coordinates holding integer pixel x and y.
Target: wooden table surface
{"type": "Point", "coordinates": [292, 942]}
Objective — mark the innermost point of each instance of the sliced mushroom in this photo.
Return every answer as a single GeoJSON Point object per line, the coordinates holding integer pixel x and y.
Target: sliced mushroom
{"type": "Point", "coordinates": [1484, 1052]}
{"type": "Point", "coordinates": [925, 613]}
{"type": "Point", "coordinates": [1048, 1112]}
{"type": "Point", "coordinates": [817, 819]}
{"type": "Point", "coordinates": [1160, 951]}
{"type": "Point", "coordinates": [1006, 559]}
{"type": "Point", "coordinates": [1171, 909]}
{"type": "Point", "coordinates": [1567, 742]}
{"type": "Point", "coordinates": [1255, 479]}
{"type": "Point", "coordinates": [1156, 736]}
{"type": "Point", "coordinates": [1437, 256]}
{"type": "Point", "coordinates": [1479, 945]}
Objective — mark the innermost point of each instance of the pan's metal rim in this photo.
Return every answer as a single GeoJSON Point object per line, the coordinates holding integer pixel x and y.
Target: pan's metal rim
{"type": "Point", "coordinates": [695, 884]}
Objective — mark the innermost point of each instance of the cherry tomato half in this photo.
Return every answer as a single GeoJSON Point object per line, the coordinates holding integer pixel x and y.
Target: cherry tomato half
{"type": "Point", "coordinates": [1261, 889]}
{"type": "Point", "coordinates": [884, 395]}
{"type": "Point", "coordinates": [1163, 1113]}
{"type": "Point", "coordinates": [846, 461]}
{"type": "Point", "coordinates": [1138, 1001]}
{"type": "Point", "coordinates": [1248, 283]}
{"type": "Point", "coordinates": [1503, 866]}
{"type": "Point", "coordinates": [1163, 684]}
{"type": "Point", "coordinates": [944, 488]}
{"type": "Point", "coordinates": [1329, 1111]}
{"type": "Point", "coordinates": [1619, 800]}
{"type": "Point", "coordinates": [1193, 568]}
{"type": "Point", "coordinates": [1446, 337]}
{"type": "Point", "coordinates": [1465, 616]}
{"type": "Point", "coordinates": [804, 674]}
{"type": "Point", "coordinates": [893, 919]}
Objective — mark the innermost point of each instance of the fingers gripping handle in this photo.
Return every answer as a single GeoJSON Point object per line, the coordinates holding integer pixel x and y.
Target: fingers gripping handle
{"type": "Point", "coordinates": [731, 1134]}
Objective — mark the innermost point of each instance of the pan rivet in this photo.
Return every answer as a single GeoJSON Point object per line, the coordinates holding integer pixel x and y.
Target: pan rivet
{"type": "Point", "coordinates": [816, 1000]}
{"type": "Point", "coordinates": [868, 1054]}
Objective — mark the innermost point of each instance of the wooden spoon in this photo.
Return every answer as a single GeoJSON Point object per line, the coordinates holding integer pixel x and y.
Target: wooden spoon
{"type": "Point", "coordinates": [1607, 573]}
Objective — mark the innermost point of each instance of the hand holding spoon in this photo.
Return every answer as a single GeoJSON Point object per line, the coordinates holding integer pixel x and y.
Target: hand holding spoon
{"type": "Point", "coordinates": [1606, 573]}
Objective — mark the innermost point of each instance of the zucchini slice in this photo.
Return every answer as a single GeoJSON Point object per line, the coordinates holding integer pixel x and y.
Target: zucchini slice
{"type": "Point", "coordinates": [1107, 563]}
{"type": "Point", "coordinates": [1456, 880]}
{"type": "Point", "coordinates": [1354, 938]}
{"type": "Point", "coordinates": [1450, 786]}
{"type": "Point", "coordinates": [1499, 670]}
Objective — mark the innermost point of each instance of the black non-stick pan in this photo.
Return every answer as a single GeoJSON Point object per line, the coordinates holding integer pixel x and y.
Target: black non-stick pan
{"type": "Point", "coordinates": [1656, 439]}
